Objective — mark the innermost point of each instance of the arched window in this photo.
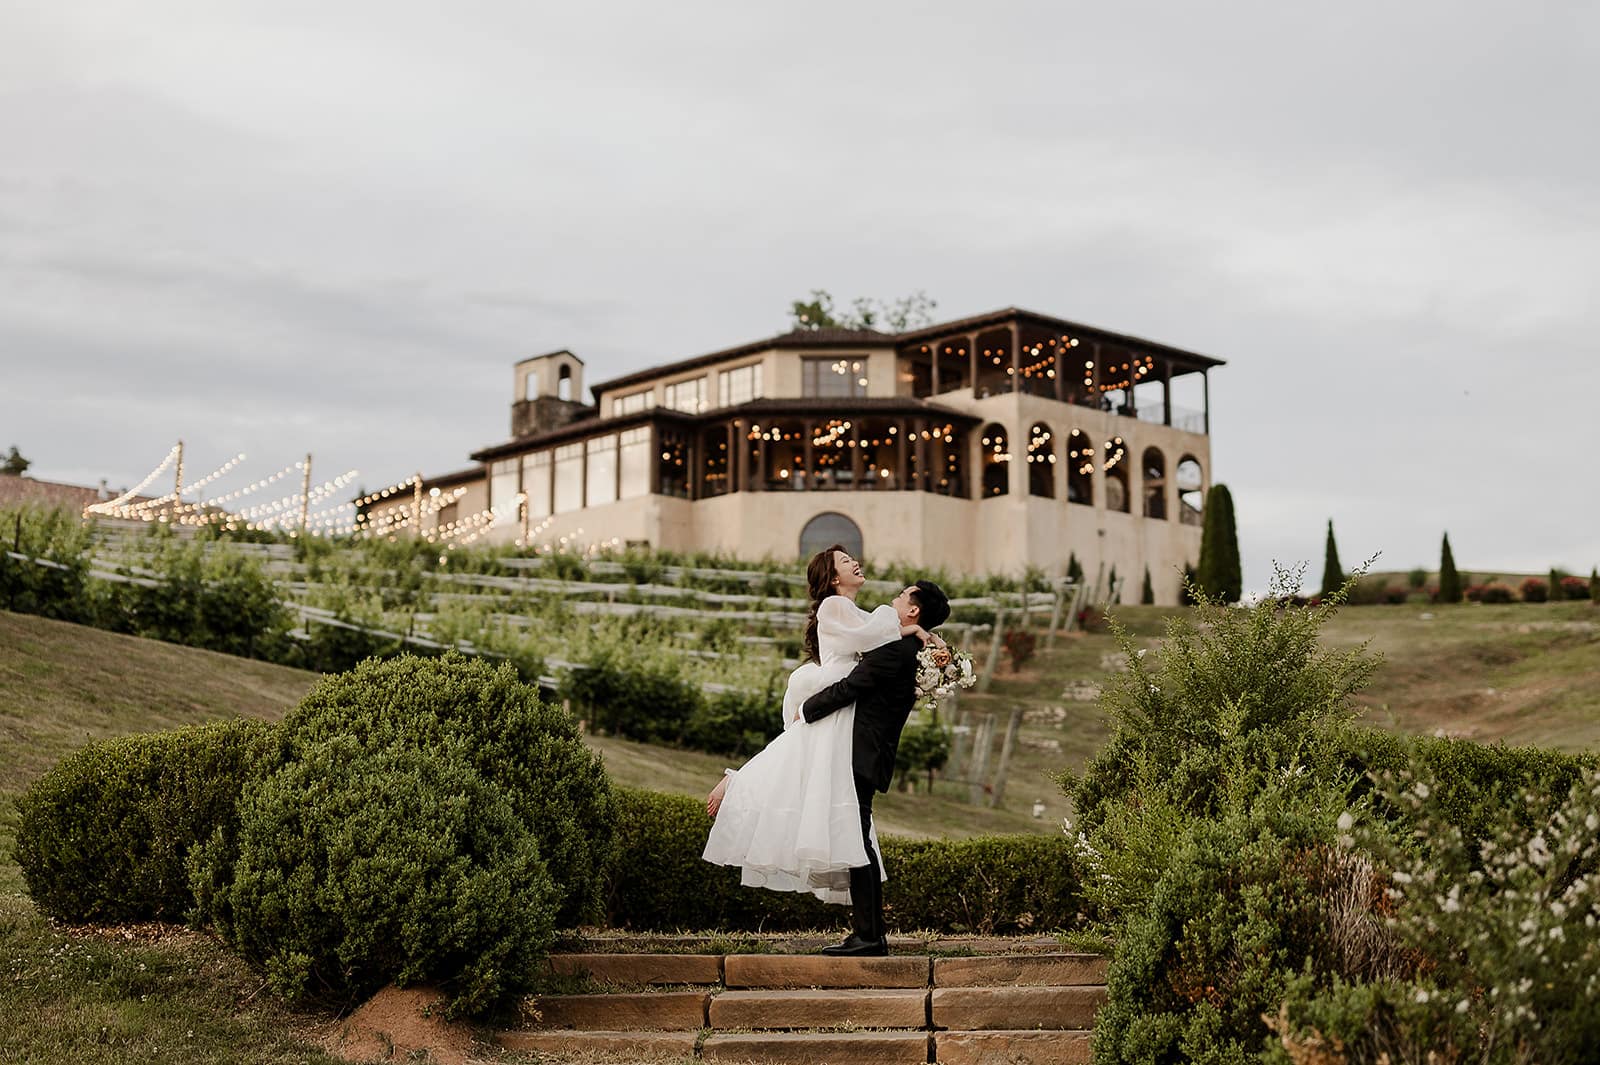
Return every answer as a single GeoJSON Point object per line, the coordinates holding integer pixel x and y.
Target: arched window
{"type": "Point", "coordinates": [1114, 463]}
{"type": "Point", "coordinates": [827, 528]}
{"type": "Point", "coordinates": [996, 462]}
{"type": "Point", "coordinates": [1191, 490]}
{"type": "Point", "coordinates": [1041, 461]}
{"type": "Point", "coordinates": [1080, 468]}
{"type": "Point", "coordinates": [1155, 483]}
{"type": "Point", "coordinates": [564, 383]}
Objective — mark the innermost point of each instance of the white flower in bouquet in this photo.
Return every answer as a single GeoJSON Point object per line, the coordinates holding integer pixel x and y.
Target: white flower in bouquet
{"type": "Point", "coordinates": [941, 670]}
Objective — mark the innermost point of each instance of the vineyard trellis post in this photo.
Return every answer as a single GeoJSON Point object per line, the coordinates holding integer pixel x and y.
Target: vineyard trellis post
{"type": "Point", "coordinates": [993, 658]}
{"type": "Point", "coordinates": [1007, 748]}
{"type": "Point", "coordinates": [416, 506]}
{"type": "Point", "coordinates": [982, 740]}
{"type": "Point", "coordinates": [177, 484]}
{"type": "Point", "coordinates": [305, 494]}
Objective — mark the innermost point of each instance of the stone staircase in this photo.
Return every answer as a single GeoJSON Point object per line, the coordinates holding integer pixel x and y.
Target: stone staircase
{"type": "Point", "coordinates": [1033, 1008]}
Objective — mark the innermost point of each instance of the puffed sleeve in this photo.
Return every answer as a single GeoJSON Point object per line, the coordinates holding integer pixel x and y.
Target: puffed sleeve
{"type": "Point", "coordinates": [852, 629]}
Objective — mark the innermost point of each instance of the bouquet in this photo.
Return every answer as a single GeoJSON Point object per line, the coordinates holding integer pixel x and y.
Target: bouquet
{"type": "Point", "coordinates": [941, 670]}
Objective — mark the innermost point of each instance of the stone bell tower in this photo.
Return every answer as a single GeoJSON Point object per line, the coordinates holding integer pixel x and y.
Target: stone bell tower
{"type": "Point", "coordinates": [546, 393]}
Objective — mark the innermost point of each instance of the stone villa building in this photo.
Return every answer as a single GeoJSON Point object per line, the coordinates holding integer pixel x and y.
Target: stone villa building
{"type": "Point", "coordinates": [986, 444]}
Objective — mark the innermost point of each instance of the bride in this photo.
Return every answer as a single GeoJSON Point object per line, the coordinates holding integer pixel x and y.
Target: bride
{"type": "Point", "coordinates": [789, 818]}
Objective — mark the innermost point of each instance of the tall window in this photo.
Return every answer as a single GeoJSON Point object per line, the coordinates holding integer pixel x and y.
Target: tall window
{"type": "Point", "coordinates": [634, 458]}
{"type": "Point", "coordinates": [569, 477]}
{"type": "Point", "coordinates": [687, 396]}
{"type": "Point", "coordinates": [740, 385]}
{"type": "Point", "coordinates": [843, 377]}
{"type": "Point", "coordinates": [503, 489]}
{"type": "Point", "coordinates": [602, 478]}
{"type": "Point", "coordinates": [634, 402]}
{"type": "Point", "coordinates": [536, 482]}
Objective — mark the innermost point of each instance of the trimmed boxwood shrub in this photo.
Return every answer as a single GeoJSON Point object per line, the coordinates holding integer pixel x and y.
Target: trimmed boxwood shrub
{"type": "Point", "coordinates": [995, 884]}
{"type": "Point", "coordinates": [360, 867]}
{"type": "Point", "coordinates": [527, 749]}
{"type": "Point", "coordinates": [105, 834]}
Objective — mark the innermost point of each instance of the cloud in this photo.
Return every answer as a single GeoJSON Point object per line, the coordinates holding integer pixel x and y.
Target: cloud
{"type": "Point", "coordinates": [290, 227]}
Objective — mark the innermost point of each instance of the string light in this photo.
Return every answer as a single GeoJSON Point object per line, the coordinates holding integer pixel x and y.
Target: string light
{"type": "Point", "coordinates": [109, 505]}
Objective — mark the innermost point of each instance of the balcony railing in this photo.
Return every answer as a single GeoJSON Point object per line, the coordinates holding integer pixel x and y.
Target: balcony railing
{"type": "Point", "coordinates": [1190, 421]}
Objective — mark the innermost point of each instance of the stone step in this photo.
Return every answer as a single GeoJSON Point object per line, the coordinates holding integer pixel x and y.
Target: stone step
{"type": "Point", "coordinates": [1019, 970]}
{"type": "Point", "coordinates": [1013, 1048]}
{"type": "Point", "coordinates": [872, 1008]}
{"type": "Point", "coordinates": [661, 1011]}
{"type": "Point", "coordinates": [641, 968]}
{"type": "Point", "coordinates": [805, 943]}
{"type": "Point", "coordinates": [980, 1008]}
{"type": "Point", "coordinates": [819, 1048]}
{"type": "Point", "coordinates": [816, 970]}
{"type": "Point", "coordinates": [604, 1046]}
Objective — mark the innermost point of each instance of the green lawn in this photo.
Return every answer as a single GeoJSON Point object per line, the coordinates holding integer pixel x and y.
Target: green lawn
{"type": "Point", "coordinates": [1521, 673]}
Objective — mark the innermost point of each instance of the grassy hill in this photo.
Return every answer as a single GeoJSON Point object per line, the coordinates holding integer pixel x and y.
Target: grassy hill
{"type": "Point", "coordinates": [1521, 673]}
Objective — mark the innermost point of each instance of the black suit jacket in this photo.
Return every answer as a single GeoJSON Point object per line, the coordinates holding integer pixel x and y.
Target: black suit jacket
{"type": "Point", "coordinates": [884, 687]}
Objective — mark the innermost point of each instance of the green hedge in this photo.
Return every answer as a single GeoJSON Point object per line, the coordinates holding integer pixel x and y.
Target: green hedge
{"type": "Point", "coordinates": [105, 834]}
{"type": "Point", "coordinates": [993, 885]}
{"type": "Point", "coordinates": [1487, 781]}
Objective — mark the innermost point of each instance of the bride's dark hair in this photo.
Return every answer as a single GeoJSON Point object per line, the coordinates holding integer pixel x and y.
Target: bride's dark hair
{"type": "Point", "coordinates": [819, 585]}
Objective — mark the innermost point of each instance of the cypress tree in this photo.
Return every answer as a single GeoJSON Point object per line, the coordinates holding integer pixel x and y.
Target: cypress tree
{"type": "Point", "coordinates": [1113, 593]}
{"type": "Point", "coordinates": [1221, 576]}
{"type": "Point", "coordinates": [1332, 575]}
{"type": "Point", "coordinates": [1449, 579]}
{"type": "Point", "coordinates": [1148, 598]}
{"type": "Point", "coordinates": [1556, 593]}
{"type": "Point", "coordinates": [1594, 585]}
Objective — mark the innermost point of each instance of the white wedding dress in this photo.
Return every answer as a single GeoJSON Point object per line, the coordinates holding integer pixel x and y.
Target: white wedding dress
{"type": "Point", "coordinates": [789, 818]}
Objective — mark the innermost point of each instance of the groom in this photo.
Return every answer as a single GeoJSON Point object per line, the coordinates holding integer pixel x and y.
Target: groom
{"type": "Point", "coordinates": [883, 687]}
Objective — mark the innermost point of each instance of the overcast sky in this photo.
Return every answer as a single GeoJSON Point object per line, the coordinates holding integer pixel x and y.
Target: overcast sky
{"type": "Point", "coordinates": [283, 227]}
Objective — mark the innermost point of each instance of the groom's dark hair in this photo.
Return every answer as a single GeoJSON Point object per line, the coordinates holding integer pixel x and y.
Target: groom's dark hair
{"type": "Point", "coordinates": [933, 605]}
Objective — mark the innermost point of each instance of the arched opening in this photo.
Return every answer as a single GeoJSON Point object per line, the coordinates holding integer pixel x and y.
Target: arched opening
{"type": "Point", "coordinates": [996, 462]}
{"type": "Point", "coordinates": [1191, 491]}
{"type": "Point", "coordinates": [1114, 463]}
{"type": "Point", "coordinates": [827, 528]}
{"type": "Point", "coordinates": [1041, 461]}
{"type": "Point", "coordinates": [1155, 483]}
{"type": "Point", "coordinates": [1080, 468]}
{"type": "Point", "coordinates": [564, 383]}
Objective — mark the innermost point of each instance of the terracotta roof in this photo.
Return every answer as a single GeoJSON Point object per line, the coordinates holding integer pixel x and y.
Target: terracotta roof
{"type": "Point", "coordinates": [795, 338]}
{"type": "Point", "coordinates": [836, 338]}
{"type": "Point", "coordinates": [450, 480]}
{"type": "Point", "coordinates": [25, 489]}
{"type": "Point", "coordinates": [578, 430]}
{"type": "Point", "coordinates": [1009, 314]}
{"type": "Point", "coordinates": [821, 405]}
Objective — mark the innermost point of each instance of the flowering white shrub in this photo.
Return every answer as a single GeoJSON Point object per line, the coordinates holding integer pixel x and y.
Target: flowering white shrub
{"type": "Point", "coordinates": [1504, 936]}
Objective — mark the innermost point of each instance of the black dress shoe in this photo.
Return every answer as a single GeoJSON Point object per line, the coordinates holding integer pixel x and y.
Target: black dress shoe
{"type": "Point", "coordinates": [855, 946]}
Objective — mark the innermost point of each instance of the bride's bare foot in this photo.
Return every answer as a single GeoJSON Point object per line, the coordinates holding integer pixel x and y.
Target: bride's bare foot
{"type": "Point", "coordinates": [714, 800]}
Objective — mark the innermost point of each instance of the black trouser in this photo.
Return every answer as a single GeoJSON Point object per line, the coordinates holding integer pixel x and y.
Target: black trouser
{"type": "Point", "coordinates": [866, 882]}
